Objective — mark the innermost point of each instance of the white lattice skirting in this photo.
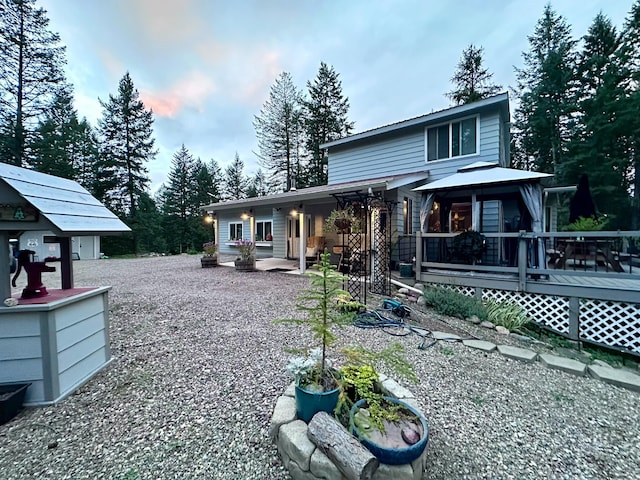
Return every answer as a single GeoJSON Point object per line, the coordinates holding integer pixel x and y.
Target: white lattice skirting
{"type": "Point", "coordinates": [612, 324]}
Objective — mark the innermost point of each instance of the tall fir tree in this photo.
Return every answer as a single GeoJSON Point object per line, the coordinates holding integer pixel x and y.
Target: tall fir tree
{"type": "Point", "coordinates": [214, 193]}
{"type": "Point", "coordinates": [258, 185]}
{"type": "Point", "coordinates": [235, 181]}
{"type": "Point", "coordinates": [598, 147]}
{"type": "Point", "coordinates": [63, 145]}
{"type": "Point", "coordinates": [325, 120]}
{"type": "Point", "coordinates": [629, 118]}
{"type": "Point", "coordinates": [31, 66]}
{"type": "Point", "coordinates": [472, 81]}
{"type": "Point", "coordinates": [546, 86]}
{"type": "Point", "coordinates": [126, 144]}
{"type": "Point", "coordinates": [181, 199]}
{"type": "Point", "coordinates": [279, 131]}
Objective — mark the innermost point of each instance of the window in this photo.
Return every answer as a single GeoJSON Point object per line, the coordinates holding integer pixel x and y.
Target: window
{"type": "Point", "coordinates": [460, 217]}
{"type": "Point", "coordinates": [407, 213]}
{"type": "Point", "coordinates": [235, 230]}
{"type": "Point", "coordinates": [263, 231]}
{"type": "Point", "coordinates": [454, 139]}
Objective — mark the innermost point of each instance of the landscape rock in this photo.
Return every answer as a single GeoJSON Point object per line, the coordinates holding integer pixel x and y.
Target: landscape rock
{"type": "Point", "coordinates": [487, 324]}
{"type": "Point", "coordinates": [502, 330]}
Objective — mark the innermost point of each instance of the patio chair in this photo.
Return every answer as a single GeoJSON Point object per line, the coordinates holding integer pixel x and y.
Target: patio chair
{"type": "Point", "coordinates": [315, 246]}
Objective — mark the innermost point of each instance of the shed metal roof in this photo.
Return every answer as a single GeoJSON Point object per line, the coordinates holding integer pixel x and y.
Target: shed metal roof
{"type": "Point", "coordinates": [482, 174]}
{"type": "Point", "coordinates": [65, 204]}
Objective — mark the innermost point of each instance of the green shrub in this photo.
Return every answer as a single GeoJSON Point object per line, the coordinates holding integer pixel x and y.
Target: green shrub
{"type": "Point", "coordinates": [589, 224]}
{"type": "Point", "coordinates": [509, 315]}
{"type": "Point", "coordinates": [453, 304]}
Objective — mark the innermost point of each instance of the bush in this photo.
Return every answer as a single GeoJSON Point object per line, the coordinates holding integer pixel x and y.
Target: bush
{"type": "Point", "coordinates": [453, 304]}
{"type": "Point", "coordinates": [509, 315]}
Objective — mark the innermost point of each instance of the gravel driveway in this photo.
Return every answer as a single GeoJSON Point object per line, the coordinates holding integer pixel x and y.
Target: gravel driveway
{"type": "Point", "coordinates": [198, 365]}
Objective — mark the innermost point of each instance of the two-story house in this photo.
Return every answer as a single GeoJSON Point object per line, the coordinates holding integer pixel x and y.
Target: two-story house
{"type": "Point", "coordinates": [387, 164]}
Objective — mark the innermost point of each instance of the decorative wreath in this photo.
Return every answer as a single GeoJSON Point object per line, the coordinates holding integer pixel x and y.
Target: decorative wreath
{"type": "Point", "coordinates": [469, 246]}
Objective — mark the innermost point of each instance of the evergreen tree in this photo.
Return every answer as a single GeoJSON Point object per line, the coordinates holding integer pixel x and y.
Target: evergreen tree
{"type": "Point", "coordinates": [235, 182]}
{"type": "Point", "coordinates": [63, 145]}
{"type": "Point", "coordinates": [598, 147]}
{"type": "Point", "coordinates": [258, 185]}
{"type": "Point", "coordinates": [472, 81]}
{"type": "Point", "coordinates": [325, 120]}
{"type": "Point", "coordinates": [31, 65]}
{"type": "Point", "coordinates": [279, 131]}
{"type": "Point", "coordinates": [181, 199]}
{"type": "Point", "coordinates": [546, 84]}
{"type": "Point", "coordinates": [214, 190]}
{"type": "Point", "coordinates": [126, 143]}
{"type": "Point", "coordinates": [629, 54]}
{"type": "Point", "coordinates": [148, 225]}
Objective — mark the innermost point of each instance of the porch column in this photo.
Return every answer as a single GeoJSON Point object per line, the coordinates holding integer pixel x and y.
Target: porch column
{"type": "Point", "coordinates": [5, 277]}
{"type": "Point", "coordinates": [303, 242]}
{"type": "Point", "coordinates": [216, 232]}
{"type": "Point", "coordinates": [475, 213]}
{"type": "Point", "coordinates": [252, 228]}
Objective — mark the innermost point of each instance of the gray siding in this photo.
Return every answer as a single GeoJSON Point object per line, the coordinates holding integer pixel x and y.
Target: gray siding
{"type": "Point", "coordinates": [56, 347]}
{"type": "Point", "coordinates": [279, 233]}
{"type": "Point", "coordinates": [404, 154]}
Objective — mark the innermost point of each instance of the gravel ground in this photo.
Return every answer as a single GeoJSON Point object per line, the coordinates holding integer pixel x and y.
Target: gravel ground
{"type": "Point", "coordinates": [198, 365]}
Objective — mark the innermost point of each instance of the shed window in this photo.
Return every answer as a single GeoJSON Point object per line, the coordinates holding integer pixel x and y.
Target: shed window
{"type": "Point", "coordinates": [235, 230]}
{"type": "Point", "coordinates": [263, 230]}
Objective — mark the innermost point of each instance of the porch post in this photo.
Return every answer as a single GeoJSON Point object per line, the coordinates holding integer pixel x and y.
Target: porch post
{"type": "Point", "coordinates": [252, 228]}
{"type": "Point", "coordinates": [418, 254]}
{"type": "Point", "coordinates": [522, 261]}
{"type": "Point", "coordinates": [303, 242]}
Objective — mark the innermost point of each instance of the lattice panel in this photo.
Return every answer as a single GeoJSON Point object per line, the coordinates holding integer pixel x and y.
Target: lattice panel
{"type": "Point", "coordinates": [552, 312]}
{"type": "Point", "coordinates": [357, 268]}
{"type": "Point", "coordinates": [622, 328]}
{"type": "Point", "coordinates": [380, 250]}
{"type": "Point", "coordinates": [468, 291]}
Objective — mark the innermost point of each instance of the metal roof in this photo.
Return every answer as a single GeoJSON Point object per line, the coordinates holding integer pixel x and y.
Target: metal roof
{"type": "Point", "coordinates": [65, 204]}
{"type": "Point", "coordinates": [322, 192]}
{"type": "Point", "coordinates": [501, 100]}
{"type": "Point", "coordinates": [482, 173]}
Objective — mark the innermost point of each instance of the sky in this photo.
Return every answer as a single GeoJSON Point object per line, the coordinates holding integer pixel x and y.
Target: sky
{"type": "Point", "coordinates": [205, 67]}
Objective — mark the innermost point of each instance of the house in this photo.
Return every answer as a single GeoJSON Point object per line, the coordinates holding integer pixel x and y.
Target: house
{"type": "Point", "coordinates": [374, 171]}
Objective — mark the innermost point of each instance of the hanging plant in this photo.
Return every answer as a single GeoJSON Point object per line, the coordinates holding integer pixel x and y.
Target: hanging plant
{"type": "Point", "coordinates": [341, 221]}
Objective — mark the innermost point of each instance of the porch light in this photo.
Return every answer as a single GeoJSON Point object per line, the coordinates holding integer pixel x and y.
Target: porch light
{"type": "Point", "coordinates": [246, 215]}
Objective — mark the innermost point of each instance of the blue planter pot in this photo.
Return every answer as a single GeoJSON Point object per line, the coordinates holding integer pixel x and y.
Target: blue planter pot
{"type": "Point", "coordinates": [309, 403]}
{"type": "Point", "coordinates": [392, 456]}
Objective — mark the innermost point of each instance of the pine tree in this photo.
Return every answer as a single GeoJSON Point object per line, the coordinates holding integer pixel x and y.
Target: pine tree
{"type": "Point", "coordinates": [598, 147]}
{"type": "Point", "coordinates": [629, 118]}
{"type": "Point", "coordinates": [31, 65]}
{"type": "Point", "coordinates": [126, 144]}
{"type": "Point", "coordinates": [235, 182]}
{"type": "Point", "coordinates": [181, 199]}
{"type": "Point", "coordinates": [472, 81]}
{"type": "Point", "coordinates": [546, 86]}
{"type": "Point", "coordinates": [258, 185]}
{"type": "Point", "coordinates": [63, 145]}
{"type": "Point", "coordinates": [279, 131]}
{"type": "Point", "coordinates": [325, 120]}
{"type": "Point", "coordinates": [214, 191]}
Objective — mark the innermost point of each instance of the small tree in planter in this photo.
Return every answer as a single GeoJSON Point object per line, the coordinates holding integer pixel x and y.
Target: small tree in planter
{"type": "Point", "coordinates": [317, 383]}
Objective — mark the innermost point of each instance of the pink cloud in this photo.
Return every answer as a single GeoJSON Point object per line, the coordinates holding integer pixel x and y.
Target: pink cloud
{"type": "Point", "coordinates": [188, 92]}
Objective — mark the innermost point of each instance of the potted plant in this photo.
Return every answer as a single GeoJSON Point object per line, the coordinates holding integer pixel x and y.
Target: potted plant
{"type": "Point", "coordinates": [317, 382]}
{"type": "Point", "coordinates": [209, 256]}
{"type": "Point", "coordinates": [391, 429]}
{"type": "Point", "coordinates": [246, 262]}
{"type": "Point", "coordinates": [469, 246]}
{"type": "Point", "coordinates": [342, 221]}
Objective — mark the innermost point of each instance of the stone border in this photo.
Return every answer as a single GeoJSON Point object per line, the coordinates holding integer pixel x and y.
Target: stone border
{"type": "Point", "coordinates": [599, 370]}
{"type": "Point", "coordinates": [306, 462]}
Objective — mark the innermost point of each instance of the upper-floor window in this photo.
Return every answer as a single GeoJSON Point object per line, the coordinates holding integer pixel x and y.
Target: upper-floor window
{"type": "Point", "coordinates": [263, 231]}
{"type": "Point", "coordinates": [235, 230]}
{"type": "Point", "coordinates": [453, 139]}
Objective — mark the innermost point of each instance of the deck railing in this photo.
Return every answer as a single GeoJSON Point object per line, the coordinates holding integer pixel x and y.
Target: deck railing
{"type": "Point", "coordinates": [528, 255]}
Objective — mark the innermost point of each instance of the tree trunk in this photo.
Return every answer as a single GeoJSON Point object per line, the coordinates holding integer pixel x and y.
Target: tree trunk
{"type": "Point", "coordinates": [352, 459]}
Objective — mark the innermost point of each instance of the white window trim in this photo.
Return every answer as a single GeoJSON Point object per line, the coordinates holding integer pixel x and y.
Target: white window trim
{"type": "Point", "coordinates": [267, 220]}
{"type": "Point", "coordinates": [426, 139]}
{"type": "Point", "coordinates": [229, 231]}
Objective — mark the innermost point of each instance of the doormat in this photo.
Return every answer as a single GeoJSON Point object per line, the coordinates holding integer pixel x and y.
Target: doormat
{"type": "Point", "coordinates": [280, 269]}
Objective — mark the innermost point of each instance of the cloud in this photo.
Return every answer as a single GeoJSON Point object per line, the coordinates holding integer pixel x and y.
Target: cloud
{"type": "Point", "coordinates": [190, 91]}
{"type": "Point", "coordinates": [167, 21]}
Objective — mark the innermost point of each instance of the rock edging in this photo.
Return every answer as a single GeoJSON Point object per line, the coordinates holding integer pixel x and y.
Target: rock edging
{"type": "Point", "coordinates": [306, 462]}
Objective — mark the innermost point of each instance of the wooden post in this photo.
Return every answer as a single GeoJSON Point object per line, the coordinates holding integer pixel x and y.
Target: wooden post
{"type": "Point", "coordinates": [352, 459]}
{"type": "Point", "coordinates": [5, 277]}
{"type": "Point", "coordinates": [522, 261]}
{"type": "Point", "coordinates": [66, 263]}
{"type": "Point", "coordinates": [418, 255]}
